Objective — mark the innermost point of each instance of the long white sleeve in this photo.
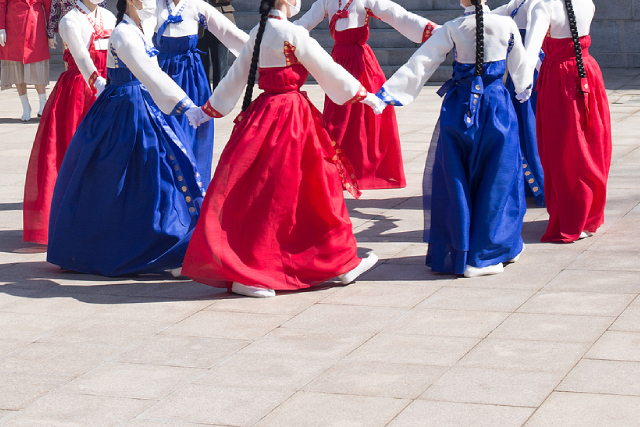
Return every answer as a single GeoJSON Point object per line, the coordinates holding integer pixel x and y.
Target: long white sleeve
{"type": "Point", "coordinates": [519, 69]}
{"type": "Point", "coordinates": [314, 15]}
{"type": "Point", "coordinates": [72, 37]}
{"type": "Point", "coordinates": [408, 24]}
{"type": "Point", "coordinates": [506, 9]}
{"type": "Point", "coordinates": [405, 85]}
{"type": "Point", "coordinates": [539, 21]}
{"type": "Point", "coordinates": [224, 30]}
{"type": "Point", "coordinates": [231, 87]}
{"type": "Point", "coordinates": [130, 49]}
{"type": "Point", "coordinates": [520, 7]}
{"type": "Point", "coordinates": [339, 85]}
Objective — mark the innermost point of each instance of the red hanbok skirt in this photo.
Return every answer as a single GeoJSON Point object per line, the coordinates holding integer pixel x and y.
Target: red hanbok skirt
{"type": "Point", "coordinates": [274, 214]}
{"type": "Point", "coordinates": [67, 105]}
{"type": "Point", "coordinates": [574, 141]}
{"type": "Point", "coordinates": [371, 142]}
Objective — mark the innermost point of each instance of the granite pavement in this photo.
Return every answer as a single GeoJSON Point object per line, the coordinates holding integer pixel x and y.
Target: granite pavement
{"type": "Point", "coordinates": [552, 341]}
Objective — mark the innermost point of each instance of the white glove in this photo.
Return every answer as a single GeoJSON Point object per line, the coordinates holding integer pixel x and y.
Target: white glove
{"type": "Point", "coordinates": [100, 84]}
{"type": "Point", "coordinates": [524, 95]}
{"type": "Point", "coordinates": [377, 104]}
{"type": "Point", "coordinates": [196, 116]}
{"type": "Point", "coordinates": [52, 42]}
{"type": "Point", "coordinates": [3, 37]}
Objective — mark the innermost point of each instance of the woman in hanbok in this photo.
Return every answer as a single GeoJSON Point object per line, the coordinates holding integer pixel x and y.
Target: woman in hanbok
{"type": "Point", "coordinates": [176, 38]}
{"type": "Point", "coordinates": [24, 49]}
{"type": "Point", "coordinates": [59, 8]}
{"type": "Point", "coordinates": [573, 119]}
{"type": "Point", "coordinates": [128, 193]}
{"type": "Point", "coordinates": [371, 142]}
{"type": "Point", "coordinates": [274, 217]}
{"type": "Point", "coordinates": [526, 111]}
{"type": "Point", "coordinates": [85, 31]}
{"type": "Point", "coordinates": [477, 201]}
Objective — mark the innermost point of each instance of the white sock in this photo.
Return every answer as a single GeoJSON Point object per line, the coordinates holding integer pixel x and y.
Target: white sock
{"type": "Point", "coordinates": [26, 108]}
{"type": "Point", "coordinates": [43, 102]}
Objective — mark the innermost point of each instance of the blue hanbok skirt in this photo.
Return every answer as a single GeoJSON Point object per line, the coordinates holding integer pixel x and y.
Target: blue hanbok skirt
{"type": "Point", "coordinates": [526, 113]}
{"type": "Point", "coordinates": [180, 59]}
{"type": "Point", "coordinates": [127, 198]}
{"type": "Point", "coordinates": [477, 201]}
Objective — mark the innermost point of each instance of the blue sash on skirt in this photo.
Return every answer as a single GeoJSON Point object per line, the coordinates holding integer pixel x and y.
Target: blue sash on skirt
{"type": "Point", "coordinates": [127, 196]}
{"type": "Point", "coordinates": [476, 202]}
{"type": "Point", "coordinates": [181, 60]}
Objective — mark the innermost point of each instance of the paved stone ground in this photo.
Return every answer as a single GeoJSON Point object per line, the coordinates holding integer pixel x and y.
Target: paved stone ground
{"type": "Point", "coordinates": [553, 341]}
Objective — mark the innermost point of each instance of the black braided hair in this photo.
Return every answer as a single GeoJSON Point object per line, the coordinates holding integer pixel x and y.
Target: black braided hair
{"type": "Point", "coordinates": [121, 6]}
{"type": "Point", "coordinates": [265, 8]}
{"type": "Point", "coordinates": [576, 38]}
{"type": "Point", "coordinates": [479, 37]}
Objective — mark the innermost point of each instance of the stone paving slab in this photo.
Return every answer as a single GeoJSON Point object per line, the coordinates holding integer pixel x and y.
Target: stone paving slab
{"type": "Point", "coordinates": [552, 341]}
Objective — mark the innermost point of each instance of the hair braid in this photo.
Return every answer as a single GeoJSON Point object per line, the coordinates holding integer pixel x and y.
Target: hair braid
{"type": "Point", "coordinates": [479, 37]}
{"type": "Point", "coordinates": [121, 7]}
{"type": "Point", "coordinates": [576, 38]}
{"type": "Point", "coordinates": [265, 8]}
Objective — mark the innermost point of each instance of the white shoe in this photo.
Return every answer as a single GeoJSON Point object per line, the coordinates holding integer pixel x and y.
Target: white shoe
{"type": "Point", "coordinates": [252, 291]}
{"type": "Point", "coordinates": [470, 271]}
{"type": "Point", "coordinates": [365, 264]}
{"type": "Point", "coordinates": [176, 272]}
{"type": "Point", "coordinates": [585, 234]}
{"type": "Point", "coordinates": [517, 257]}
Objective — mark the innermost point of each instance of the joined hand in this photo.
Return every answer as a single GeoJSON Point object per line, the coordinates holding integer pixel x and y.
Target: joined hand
{"type": "Point", "coordinates": [377, 104]}
{"type": "Point", "coordinates": [196, 116]}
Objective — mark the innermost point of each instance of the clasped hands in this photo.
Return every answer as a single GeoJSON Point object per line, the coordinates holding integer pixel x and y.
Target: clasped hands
{"type": "Point", "coordinates": [524, 95]}
{"type": "Point", "coordinates": [100, 85]}
{"type": "Point", "coordinates": [376, 104]}
{"type": "Point", "coordinates": [197, 116]}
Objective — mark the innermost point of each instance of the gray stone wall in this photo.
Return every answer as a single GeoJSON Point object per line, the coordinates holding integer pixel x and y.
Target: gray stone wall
{"type": "Point", "coordinates": [615, 32]}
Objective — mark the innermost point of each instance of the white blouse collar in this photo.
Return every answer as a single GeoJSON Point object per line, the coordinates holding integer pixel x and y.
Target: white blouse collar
{"type": "Point", "coordinates": [126, 18]}
{"type": "Point", "coordinates": [470, 10]}
{"type": "Point", "coordinates": [86, 10]}
{"type": "Point", "coordinates": [172, 7]}
{"type": "Point", "coordinates": [278, 13]}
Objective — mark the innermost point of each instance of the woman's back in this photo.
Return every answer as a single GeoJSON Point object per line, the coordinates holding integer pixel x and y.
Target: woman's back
{"type": "Point", "coordinates": [573, 120]}
{"type": "Point", "coordinates": [554, 14]}
{"type": "Point", "coordinates": [498, 35]}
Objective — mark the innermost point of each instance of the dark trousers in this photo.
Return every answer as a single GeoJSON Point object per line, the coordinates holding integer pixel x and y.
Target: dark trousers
{"type": "Point", "coordinates": [215, 55]}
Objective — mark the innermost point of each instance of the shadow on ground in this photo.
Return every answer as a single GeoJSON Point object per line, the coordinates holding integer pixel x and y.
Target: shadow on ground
{"type": "Point", "coordinates": [11, 206]}
{"type": "Point", "coordinates": [42, 280]}
{"type": "Point", "coordinates": [414, 202]}
{"type": "Point", "coordinates": [11, 240]}
{"type": "Point", "coordinates": [5, 120]}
